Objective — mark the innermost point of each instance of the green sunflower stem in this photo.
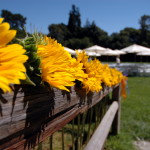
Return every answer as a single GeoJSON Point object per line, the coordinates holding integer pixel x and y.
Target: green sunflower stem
{"type": "Point", "coordinates": [63, 144]}
{"type": "Point", "coordinates": [72, 134]}
{"type": "Point", "coordinates": [79, 132]}
{"type": "Point", "coordinates": [51, 142]}
{"type": "Point", "coordinates": [40, 146]}
{"type": "Point", "coordinates": [83, 128]}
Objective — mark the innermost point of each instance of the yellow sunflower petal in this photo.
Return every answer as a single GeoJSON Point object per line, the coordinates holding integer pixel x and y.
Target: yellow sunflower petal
{"type": "Point", "coordinates": [1, 20]}
{"type": "Point", "coordinates": [4, 84]}
{"type": "Point", "coordinates": [4, 27]}
{"type": "Point", "coordinates": [6, 37]}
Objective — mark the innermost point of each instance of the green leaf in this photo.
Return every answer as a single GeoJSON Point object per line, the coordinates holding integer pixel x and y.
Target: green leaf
{"type": "Point", "coordinates": [27, 81]}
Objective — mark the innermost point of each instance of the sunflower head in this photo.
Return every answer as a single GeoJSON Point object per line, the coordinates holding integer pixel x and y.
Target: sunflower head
{"type": "Point", "coordinates": [12, 58]}
{"type": "Point", "coordinates": [55, 64]}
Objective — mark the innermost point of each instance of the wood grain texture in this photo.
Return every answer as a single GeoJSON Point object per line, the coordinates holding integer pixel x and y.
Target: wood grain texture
{"type": "Point", "coordinates": [98, 138]}
{"type": "Point", "coordinates": [116, 123]}
{"type": "Point", "coordinates": [31, 114]}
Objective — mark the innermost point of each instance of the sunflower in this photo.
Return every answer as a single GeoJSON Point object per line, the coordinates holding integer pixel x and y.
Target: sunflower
{"type": "Point", "coordinates": [96, 73]}
{"type": "Point", "coordinates": [56, 64]}
{"type": "Point", "coordinates": [92, 73]}
{"type": "Point", "coordinates": [107, 78]}
{"type": "Point", "coordinates": [11, 58]}
{"type": "Point", "coordinates": [116, 75]}
{"type": "Point", "coordinates": [76, 69]}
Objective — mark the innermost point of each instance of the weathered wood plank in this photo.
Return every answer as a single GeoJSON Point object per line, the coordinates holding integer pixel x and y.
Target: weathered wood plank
{"type": "Point", "coordinates": [27, 107]}
{"type": "Point", "coordinates": [50, 128]}
{"type": "Point", "coordinates": [25, 116]}
{"type": "Point", "coordinates": [98, 138]}
{"type": "Point", "coordinates": [116, 123]}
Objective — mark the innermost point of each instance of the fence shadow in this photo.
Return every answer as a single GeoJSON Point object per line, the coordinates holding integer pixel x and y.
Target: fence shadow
{"type": "Point", "coordinates": [37, 114]}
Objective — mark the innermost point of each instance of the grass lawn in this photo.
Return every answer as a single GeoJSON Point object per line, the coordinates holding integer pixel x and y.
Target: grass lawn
{"type": "Point", "coordinates": [135, 115]}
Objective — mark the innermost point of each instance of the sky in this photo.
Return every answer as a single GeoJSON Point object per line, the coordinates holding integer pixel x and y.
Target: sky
{"type": "Point", "coordinates": [110, 15]}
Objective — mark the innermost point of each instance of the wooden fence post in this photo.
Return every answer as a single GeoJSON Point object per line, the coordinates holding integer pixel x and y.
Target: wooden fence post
{"type": "Point", "coordinates": [116, 122]}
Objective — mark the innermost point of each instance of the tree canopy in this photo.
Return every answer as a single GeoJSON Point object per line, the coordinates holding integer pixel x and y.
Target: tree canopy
{"type": "Point", "coordinates": [75, 36]}
{"type": "Point", "coordinates": [16, 21]}
{"type": "Point", "coordinates": [74, 21]}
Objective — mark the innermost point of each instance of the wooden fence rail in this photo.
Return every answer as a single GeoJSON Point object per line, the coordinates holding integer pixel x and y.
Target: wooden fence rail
{"type": "Point", "coordinates": [31, 114]}
{"type": "Point", "coordinates": [98, 139]}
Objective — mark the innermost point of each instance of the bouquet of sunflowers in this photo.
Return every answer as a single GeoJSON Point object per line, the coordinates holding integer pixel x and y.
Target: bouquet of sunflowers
{"type": "Point", "coordinates": [40, 60]}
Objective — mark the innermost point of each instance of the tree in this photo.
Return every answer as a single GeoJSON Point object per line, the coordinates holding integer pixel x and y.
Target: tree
{"type": "Point", "coordinates": [59, 32]}
{"type": "Point", "coordinates": [145, 28]}
{"type": "Point", "coordinates": [16, 21]}
{"type": "Point", "coordinates": [87, 24]}
{"type": "Point", "coordinates": [78, 43]}
{"type": "Point", "coordinates": [124, 38]}
{"type": "Point", "coordinates": [74, 21]}
{"type": "Point", "coordinates": [145, 22]}
{"type": "Point", "coordinates": [132, 35]}
{"type": "Point", "coordinates": [117, 41]}
{"type": "Point", "coordinates": [96, 34]}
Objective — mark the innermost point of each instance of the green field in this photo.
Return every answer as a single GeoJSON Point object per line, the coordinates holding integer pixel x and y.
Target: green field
{"type": "Point", "coordinates": [135, 115]}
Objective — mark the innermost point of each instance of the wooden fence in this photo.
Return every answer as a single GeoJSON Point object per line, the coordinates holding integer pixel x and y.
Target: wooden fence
{"type": "Point", "coordinates": [29, 115]}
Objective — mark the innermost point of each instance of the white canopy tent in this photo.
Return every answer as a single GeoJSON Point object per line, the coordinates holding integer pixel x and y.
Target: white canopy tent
{"type": "Point", "coordinates": [95, 48]}
{"type": "Point", "coordinates": [119, 52]}
{"type": "Point", "coordinates": [143, 54]}
{"type": "Point", "coordinates": [135, 49]}
{"type": "Point", "coordinates": [71, 51]}
{"type": "Point", "coordinates": [93, 54]}
{"type": "Point", "coordinates": [110, 52]}
{"type": "Point", "coordinates": [79, 50]}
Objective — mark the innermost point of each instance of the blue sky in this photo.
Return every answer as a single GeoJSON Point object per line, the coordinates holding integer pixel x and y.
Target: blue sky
{"type": "Point", "coordinates": [109, 15]}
